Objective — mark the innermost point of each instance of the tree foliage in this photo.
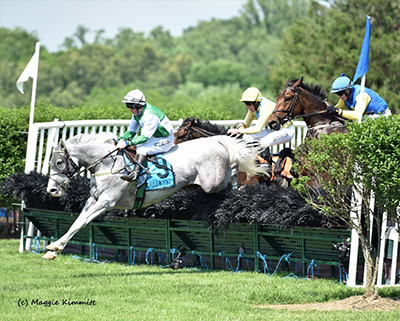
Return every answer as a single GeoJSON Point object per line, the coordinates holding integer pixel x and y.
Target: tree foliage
{"type": "Point", "coordinates": [327, 41]}
{"type": "Point", "coordinates": [267, 43]}
{"type": "Point", "coordinates": [364, 162]}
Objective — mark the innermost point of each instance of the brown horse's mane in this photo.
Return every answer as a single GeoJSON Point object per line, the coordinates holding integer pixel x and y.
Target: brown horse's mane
{"type": "Point", "coordinates": [206, 125]}
{"type": "Point", "coordinates": [313, 89]}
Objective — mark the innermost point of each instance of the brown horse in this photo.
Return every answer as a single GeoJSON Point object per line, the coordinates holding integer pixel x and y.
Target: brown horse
{"type": "Point", "coordinates": [281, 164]}
{"type": "Point", "coordinates": [193, 129]}
{"type": "Point", "coordinates": [299, 100]}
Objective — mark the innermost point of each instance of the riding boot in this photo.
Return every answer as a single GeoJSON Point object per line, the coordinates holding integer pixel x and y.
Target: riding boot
{"type": "Point", "coordinates": [266, 153]}
{"type": "Point", "coordinates": [136, 170]}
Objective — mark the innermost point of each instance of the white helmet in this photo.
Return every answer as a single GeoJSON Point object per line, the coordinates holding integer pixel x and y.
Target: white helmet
{"type": "Point", "coordinates": [135, 97]}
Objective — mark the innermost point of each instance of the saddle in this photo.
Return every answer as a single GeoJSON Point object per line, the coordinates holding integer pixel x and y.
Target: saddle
{"type": "Point", "coordinates": [159, 174]}
{"type": "Point", "coordinates": [130, 153]}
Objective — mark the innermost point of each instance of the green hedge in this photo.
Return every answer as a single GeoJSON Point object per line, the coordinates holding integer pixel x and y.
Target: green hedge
{"type": "Point", "coordinates": [14, 122]}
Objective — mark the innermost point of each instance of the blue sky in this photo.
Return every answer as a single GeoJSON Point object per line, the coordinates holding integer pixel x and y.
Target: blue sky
{"type": "Point", "coordinates": [54, 20]}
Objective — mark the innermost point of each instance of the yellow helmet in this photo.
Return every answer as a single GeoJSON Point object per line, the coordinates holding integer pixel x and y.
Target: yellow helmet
{"type": "Point", "coordinates": [251, 94]}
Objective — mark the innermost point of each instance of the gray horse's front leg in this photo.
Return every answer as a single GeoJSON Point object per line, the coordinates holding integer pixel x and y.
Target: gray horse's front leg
{"type": "Point", "coordinates": [91, 210]}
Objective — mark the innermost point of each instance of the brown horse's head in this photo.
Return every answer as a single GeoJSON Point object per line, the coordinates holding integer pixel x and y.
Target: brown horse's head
{"type": "Point", "coordinates": [288, 104]}
{"type": "Point", "coordinates": [299, 100]}
{"type": "Point", "coordinates": [183, 133]}
{"type": "Point", "coordinates": [193, 129]}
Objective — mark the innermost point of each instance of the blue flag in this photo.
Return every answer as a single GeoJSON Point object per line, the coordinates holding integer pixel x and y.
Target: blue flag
{"type": "Point", "coordinates": [362, 66]}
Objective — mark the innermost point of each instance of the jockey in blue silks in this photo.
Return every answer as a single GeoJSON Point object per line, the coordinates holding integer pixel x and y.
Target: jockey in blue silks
{"type": "Point", "coordinates": [351, 104]}
{"type": "Point", "coordinates": [156, 131]}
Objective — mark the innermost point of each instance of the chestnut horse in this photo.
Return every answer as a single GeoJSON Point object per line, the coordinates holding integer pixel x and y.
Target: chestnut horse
{"type": "Point", "coordinates": [299, 100]}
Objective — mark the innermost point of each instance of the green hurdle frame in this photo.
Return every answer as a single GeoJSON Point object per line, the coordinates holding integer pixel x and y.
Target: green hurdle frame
{"type": "Point", "coordinates": [303, 243]}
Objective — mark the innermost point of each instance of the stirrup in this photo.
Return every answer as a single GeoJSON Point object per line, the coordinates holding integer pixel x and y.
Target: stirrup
{"type": "Point", "coordinates": [129, 178]}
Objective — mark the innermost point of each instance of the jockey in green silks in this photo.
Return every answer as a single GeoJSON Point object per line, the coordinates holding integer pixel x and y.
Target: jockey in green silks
{"type": "Point", "coordinates": [156, 131]}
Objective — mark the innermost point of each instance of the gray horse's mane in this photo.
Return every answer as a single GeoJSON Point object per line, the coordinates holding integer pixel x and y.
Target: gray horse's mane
{"type": "Point", "coordinates": [98, 139]}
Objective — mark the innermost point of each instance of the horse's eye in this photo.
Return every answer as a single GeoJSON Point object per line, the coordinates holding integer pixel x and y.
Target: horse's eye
{"type": "Point", "coordinates": [287, 99]}
{"type": "Point", "coordinates": [60, 164]}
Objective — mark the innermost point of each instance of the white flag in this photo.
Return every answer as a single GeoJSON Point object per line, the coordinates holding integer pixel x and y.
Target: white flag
{"type": "Point", "coordinates": [31, 70]}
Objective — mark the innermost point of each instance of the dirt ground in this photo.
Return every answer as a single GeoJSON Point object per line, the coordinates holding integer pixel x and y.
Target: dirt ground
{"type": "Point", "coordinates": [352, 303]}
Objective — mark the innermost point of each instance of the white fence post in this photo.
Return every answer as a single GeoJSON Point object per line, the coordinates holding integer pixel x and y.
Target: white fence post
{"type": "Point", "coordinates": [355, 215]}
{"type": "Point", "coordinates": [393, 234]}
{"type": "Point", "coordinates": [50, 145]}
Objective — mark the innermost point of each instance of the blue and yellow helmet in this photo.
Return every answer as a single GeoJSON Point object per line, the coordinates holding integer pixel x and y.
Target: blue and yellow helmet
{"type": "Point", "coordinates": [341, 83]}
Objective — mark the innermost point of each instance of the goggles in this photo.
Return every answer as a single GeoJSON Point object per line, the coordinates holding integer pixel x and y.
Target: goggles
{"type": "Point", "coordinates": [131, 105]}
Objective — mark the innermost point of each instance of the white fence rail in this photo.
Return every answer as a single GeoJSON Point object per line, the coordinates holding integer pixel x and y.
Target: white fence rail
{"type": "Point", "coordinates": [44, 136]}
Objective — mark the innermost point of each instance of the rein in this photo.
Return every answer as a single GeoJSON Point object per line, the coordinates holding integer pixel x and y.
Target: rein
{"type": "Point", "coordinates": [191, 129]}
{"type": "Point", "coordinates": [94, 164]}
{"type": "Point", "coordinates": [69, 161]}
{"type": "Point", "coordinates": [311, 114]}
{"type": "Point", "coordinates": [204, 132]}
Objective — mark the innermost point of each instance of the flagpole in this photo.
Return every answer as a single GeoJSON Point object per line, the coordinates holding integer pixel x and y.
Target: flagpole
{"type": "Point", "coordinates": [362, 66]}
{"type": "Point", "coordinates": [30, 71]}
{"type": "Point", "coordinates": [355, 213]}
{"type": "Point", "coordinates": [32, 112]}
{"type": "Point", "coordinates": [362, 97]}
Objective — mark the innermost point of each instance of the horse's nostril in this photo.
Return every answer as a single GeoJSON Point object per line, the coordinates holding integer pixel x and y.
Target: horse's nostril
{"type": "Point", "coordinates": [53, 190]}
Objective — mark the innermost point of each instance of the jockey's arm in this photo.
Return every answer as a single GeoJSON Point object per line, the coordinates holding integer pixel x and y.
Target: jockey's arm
{"type": "Point", "coordinates": [246, 123]}
{"type": "Point", "coordinates": [133, 129]}
{"type": "Point", "coordinates": [149, 128]}
{"type": "Point", "coordinates": [248, 119]}
{"type": "Point", "coordinates": [122, 141]}
{"type": "Point", "coordinates": [265, 111]}
{"type": "Point", "coordinates": [127, 135]}
{"type": "Point", "coordinates": [361, 105]}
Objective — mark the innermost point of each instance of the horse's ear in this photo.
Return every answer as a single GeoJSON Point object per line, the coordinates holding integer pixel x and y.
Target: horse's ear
{"type": "Point", "coordinates": [298, 83]}
{"type": "Point", "coordinates": [62, 144]}
{"type": "Point", "coordinates": [287, 81]}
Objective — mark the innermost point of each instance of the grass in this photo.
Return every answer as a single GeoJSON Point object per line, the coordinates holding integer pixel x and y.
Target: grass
{"type": "Point", "coordinates": [143, 292]}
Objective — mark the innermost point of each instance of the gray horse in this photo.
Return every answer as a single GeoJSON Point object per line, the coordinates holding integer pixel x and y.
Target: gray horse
{"type": "Point", "coordinates": [205, 162]}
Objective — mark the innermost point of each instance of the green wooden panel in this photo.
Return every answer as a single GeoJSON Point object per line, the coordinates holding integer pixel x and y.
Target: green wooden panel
{"type": "Point", "coordinates": [304, 244]}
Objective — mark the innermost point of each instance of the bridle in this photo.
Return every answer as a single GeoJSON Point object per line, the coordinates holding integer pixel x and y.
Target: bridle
{"type": "Point", "coordinates": [71, 169]}
{"type": "Point", "coordinates": [62, 156]}
{"type": "Point", "coordinates": [289, 112]}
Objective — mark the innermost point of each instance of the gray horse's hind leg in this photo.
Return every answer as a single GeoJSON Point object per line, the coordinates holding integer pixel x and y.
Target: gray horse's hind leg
{"type": "Point", "coordinates": [234, 177]}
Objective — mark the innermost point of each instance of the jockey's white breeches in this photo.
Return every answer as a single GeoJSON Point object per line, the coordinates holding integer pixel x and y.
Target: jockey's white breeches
{"type": "Point", "coordinates": [268, 137]}
{"type": "Point", "coordinates": [156, 145]}
{"type": "Point", "coordinates": [385, 113]}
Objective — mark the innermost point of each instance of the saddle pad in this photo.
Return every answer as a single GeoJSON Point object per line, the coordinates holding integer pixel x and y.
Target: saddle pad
{"type": "Point", "coordinates": [162, 175]}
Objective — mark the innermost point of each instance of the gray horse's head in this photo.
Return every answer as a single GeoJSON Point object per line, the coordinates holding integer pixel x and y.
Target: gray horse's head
{"type": "Point", "coordinates": [62, 169]}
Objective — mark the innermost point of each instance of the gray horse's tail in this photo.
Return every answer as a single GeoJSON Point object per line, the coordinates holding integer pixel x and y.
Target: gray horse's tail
{"type": "Point", "coordinates": [242, 152]}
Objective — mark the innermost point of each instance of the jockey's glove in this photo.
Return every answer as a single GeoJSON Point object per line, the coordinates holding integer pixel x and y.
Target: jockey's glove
{"type": "Point", "coordinates": [333, 110]}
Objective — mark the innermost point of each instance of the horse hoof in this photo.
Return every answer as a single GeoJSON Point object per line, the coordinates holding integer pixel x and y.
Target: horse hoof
{"type": "Point", "coordinates": [52, 247]}
{"type": "Point", "coordinates": [49, 256]}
